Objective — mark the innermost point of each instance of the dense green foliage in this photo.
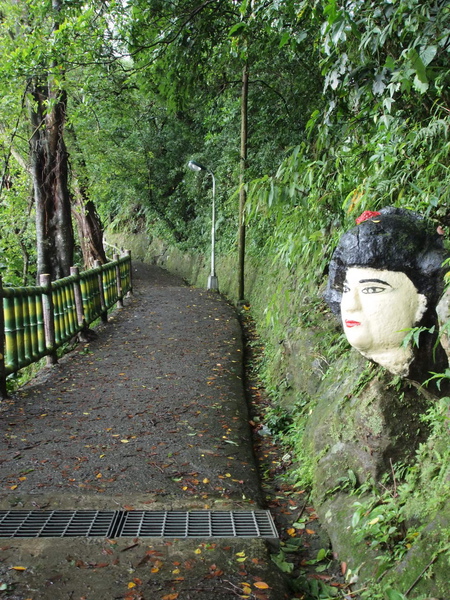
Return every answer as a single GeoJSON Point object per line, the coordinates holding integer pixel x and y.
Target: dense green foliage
{"type": "Point", "coordinates": [348, 109]}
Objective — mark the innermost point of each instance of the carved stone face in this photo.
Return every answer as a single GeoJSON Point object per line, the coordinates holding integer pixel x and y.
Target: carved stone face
{"type": "Point", "coordinates": [376, 306]}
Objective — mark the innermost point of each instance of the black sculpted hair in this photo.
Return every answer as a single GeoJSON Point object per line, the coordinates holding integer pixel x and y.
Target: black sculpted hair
{"type": "Point", "coordinates": [396, 239]}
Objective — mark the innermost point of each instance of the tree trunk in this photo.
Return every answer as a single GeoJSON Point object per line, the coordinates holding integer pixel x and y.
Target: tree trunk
{"type": "Point", "coordinates": [89, 225]}
{"type": "Point", "coordinates": [90, 230]}
{"type": "Point", "coordinates": [49, 171]}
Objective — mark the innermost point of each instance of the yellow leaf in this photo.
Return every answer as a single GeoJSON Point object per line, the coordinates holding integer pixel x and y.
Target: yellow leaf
{"type": "Point", "coordinates": [13, 487]}
{"type": "Point", "coordinates": [291, 531]}
{"type": "Point", "coordinates": [22, 478]}
{"type": "Point", "coordinates": [131, 585]}
{"type": "Point", "coordinates": [261, 585]}
{"type": "Point", "coordinates": [247, 590]}
{"type": "Point", "coordinates": [18, 568]}
{"type": "Point", "coordinates": [198, 551]}
{"type": "Point", "coordinates": [240, 553]}
{"type": "Point", "coordinates": [155, 569]}
{"type": "Point", "coordinates": [99, 476]}
{"type": "Point", "coordinates": [241, 559]}
{"type": "Point", "coordinates": [206, 480]}
{"type": "Point", "coordinates": [124, 441]}
{"type": "Point", "coordinates": [176, 571]}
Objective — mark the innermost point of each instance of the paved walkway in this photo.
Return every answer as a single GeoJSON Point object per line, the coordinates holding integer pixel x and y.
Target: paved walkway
{"type": "Point", "coordinates": [149, 415]}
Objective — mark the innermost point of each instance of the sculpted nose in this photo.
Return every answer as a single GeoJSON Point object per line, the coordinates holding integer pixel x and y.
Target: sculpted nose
{"type": "Point", "coordinates": [351, 301]}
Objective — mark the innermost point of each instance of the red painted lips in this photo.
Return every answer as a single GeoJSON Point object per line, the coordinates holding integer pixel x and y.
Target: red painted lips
{"type": "Point", "coordinates": [352, 323]}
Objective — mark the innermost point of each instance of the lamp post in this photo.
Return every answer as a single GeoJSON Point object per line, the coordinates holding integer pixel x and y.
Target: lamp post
{"type": "Point", "coordinates": [213, 283]}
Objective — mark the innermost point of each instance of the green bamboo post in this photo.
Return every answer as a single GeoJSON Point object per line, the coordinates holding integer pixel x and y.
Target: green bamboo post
{"type": "Point", "coordinates": [57, 315]}
{"type": "Point", "coordinates": [70, 308]}
{"type": "Point", "coordinates": [10, 331]}
{"type": "Point", "coordinates": [130, 272]}
{"type": "Point", "coordinates": [33, 321]}
{"type": "Point", "coordinates": [18, 315]}
{"type": "Point", "coordinates": [75, 272]}
{"type": "Point", "coordinates": [27, 341]}
{"type": "Point", "coordinates": [40, 326]}
{"type": "Point", "coordinates": [104, 314]}
{"type": "Point", "coordinates": [108, 282]}
{"type": "Point", "coordinates": [49, 323]}
{"type": "Point", "coordinates": [3, 391]}
{"type": "Point", "coordinates": [118, 282]}
{"type": "Point", "coordinates": [69, 322]}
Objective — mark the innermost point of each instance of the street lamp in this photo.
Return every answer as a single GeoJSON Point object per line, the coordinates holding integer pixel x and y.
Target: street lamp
{"type": "Point", "coordinates": [213, 283]}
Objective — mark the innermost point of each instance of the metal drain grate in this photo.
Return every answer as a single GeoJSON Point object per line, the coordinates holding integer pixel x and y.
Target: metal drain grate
{"type": "Point", "coordinates": [137, 523]}
{"type": "Point", "coordinates": [57, 523]}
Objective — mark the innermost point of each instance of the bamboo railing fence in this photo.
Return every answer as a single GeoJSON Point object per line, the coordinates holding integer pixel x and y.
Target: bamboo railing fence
{"type": "Point", "coordinates": [37, 320]}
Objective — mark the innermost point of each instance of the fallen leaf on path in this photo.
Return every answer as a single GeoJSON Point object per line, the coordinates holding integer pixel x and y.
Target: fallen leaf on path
{"type": "Point", "coordinates": [130, 547]}
{"type": "Point", "coordinates": [319, 576]}
{"type": "Point", "coordinates": [18, 568]}
{"type": "Point", "coordinates": [261, 585]}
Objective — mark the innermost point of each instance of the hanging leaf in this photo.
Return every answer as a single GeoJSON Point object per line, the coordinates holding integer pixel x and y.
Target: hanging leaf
{"type": "Point", "coordinates": [237, 29]}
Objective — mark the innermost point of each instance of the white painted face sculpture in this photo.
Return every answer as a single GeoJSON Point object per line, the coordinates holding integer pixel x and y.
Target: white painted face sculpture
{"type": "Point", "coordinates": [386, 276]}
{"type": "Point", "coordinates": [376, 308]}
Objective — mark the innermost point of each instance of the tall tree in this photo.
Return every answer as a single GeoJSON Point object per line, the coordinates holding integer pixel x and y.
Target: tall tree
{"type": "Point", "coordinates": [40, 43]}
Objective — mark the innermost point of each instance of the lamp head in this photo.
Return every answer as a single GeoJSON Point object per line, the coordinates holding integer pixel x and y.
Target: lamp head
{"type": "Point", "coordinates": [195, 166]}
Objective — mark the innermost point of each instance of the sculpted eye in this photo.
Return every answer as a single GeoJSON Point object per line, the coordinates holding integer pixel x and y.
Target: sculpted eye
{"type": "Point", "coordinates": [345, 288]}
{"type": "Point", "coordinates": [373, 290]}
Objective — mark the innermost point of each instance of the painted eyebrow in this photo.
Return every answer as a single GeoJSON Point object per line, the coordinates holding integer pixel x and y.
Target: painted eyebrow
{"type": "Point", "coordinates": [374, 281]}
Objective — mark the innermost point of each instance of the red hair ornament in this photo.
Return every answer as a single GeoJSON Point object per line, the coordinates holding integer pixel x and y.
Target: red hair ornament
{"type": "Point", "coordinates": [367, 214]}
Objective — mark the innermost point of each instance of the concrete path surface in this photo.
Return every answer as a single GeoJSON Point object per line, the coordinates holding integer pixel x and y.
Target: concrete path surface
{"type": "Point", "coordinates": [150, 415]}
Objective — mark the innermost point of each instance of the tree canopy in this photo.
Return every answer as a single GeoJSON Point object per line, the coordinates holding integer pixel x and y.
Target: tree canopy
{"type": "Point", "coordinates": [103, 104]}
